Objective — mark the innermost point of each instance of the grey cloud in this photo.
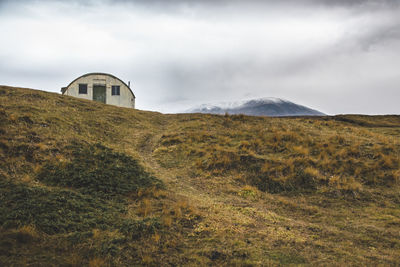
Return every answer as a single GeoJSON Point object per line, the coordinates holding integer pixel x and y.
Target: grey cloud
{"type": "Point", "coordinates": [225, 3]}
{"type": "Point", "coordinates": [173, 4]}
{"type": "Point", "coordinates": [211, 55]}
{"type": "Point", "coordinates": [380, 36]}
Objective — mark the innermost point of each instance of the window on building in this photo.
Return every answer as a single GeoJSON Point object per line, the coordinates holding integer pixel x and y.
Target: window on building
{"type": "Point", "coordinates": [83, 88]}
{"type": "Point", "coordinates": [115, 90]}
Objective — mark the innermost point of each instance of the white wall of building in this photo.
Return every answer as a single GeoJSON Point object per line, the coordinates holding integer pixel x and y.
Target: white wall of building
{"type": "Point", "coordinates": [125, 99]}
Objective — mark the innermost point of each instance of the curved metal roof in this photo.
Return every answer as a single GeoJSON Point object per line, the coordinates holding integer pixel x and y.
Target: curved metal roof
{"type": "Point", "coordinates": [102, 73]}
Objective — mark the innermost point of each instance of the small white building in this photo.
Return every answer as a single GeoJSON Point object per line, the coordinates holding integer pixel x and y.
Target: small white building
{"type": "Point", "coordinates": [101, 87]}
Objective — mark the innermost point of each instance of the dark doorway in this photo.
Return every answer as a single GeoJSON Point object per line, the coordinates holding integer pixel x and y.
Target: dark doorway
{"type": "Point", "coordinates": [99, 93]}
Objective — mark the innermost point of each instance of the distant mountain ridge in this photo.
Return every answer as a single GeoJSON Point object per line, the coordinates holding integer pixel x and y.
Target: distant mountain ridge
{"type": "Point", "coordinates": [258, 107]}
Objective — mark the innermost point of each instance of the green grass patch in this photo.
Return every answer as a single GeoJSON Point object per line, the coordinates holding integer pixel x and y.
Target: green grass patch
{"type": "Point", "coordinates": [97, 170]}
{"type": "Point", "coordinates": [287, 259]}
{"type": "Point", "coordinates": [70, 218]}
{"type": "Point", "coordinates": [54, 211]}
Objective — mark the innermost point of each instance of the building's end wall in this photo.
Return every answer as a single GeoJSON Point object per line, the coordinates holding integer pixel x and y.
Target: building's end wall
{"type": "Point", "coordinates": [125, 99]}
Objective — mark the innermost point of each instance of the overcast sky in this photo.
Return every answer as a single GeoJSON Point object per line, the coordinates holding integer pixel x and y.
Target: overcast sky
{"type": "Point", "coordinates": [336, 56]}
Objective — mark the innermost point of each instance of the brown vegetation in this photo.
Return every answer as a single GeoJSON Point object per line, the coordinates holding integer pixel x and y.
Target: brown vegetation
{"type": "Point", "coordinates": [209, 190]}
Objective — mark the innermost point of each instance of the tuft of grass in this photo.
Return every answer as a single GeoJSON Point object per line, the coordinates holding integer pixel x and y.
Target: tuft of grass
{"type": "Point", "coordinates": [97, 262]}
{"type": "Point", "coordinates": [145, 208]}
{"type": "Point", "coordinates": [248, 192]}
{"type": "Point", "coordinates": [346, 184]}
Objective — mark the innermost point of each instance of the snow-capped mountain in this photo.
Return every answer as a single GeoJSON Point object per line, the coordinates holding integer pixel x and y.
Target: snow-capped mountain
{"type": "Point", "coordinates": [258, 107]}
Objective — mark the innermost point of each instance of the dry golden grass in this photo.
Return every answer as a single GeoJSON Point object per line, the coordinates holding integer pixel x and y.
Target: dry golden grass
{"type": "Point", "coordinates": [240, 190]}
{"type": "Point", "coordinates": [97, 262]}
{"type": "Point", "coordinates": [145, 208]}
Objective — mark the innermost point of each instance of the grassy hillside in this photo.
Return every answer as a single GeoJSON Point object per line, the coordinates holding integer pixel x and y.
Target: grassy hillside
{"type": "Point", "coordinates": [82, 183]}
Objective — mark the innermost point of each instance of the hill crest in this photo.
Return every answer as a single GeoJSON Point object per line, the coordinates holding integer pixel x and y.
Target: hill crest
{"type": "Point", "coordinates": [207, 190]}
